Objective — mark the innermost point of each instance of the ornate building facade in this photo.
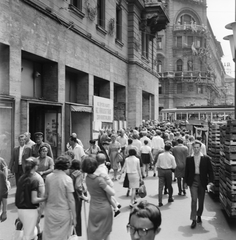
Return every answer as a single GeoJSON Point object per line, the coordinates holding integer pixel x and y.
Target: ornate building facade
{"type": "Point", "coordinates": [189, 58]}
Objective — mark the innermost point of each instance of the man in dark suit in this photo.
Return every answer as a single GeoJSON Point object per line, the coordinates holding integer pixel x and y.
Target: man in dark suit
{"type": "Point", "coordinates": [198, 171]}
{"type": "Point", "coordinates": [19, 155]}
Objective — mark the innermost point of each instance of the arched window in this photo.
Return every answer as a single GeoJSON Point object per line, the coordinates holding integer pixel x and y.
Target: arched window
{"type": "Point", "coordinates": [185, 19]}
{"type": "Point", "coordinates": [179, 65]}
{"type": "Point", "coordinates": [159, 66]}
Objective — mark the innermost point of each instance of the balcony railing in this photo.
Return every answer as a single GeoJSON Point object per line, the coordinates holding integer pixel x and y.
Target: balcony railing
{"type": "Point", "coordinates": [190, 27]}
{"type": "Point", "coordinates": [190, 76]}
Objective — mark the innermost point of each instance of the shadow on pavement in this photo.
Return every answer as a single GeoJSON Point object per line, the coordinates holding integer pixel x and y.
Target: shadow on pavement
{"type": "Point", "coordinates": [188, 232]}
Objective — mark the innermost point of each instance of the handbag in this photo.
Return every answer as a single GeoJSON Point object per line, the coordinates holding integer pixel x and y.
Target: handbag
{"type": "Point", "coordinates": [142, 191]}
{"type": "Point", "coordinates": [126, 181]}
{"type": "Point", "coordinates": [18, 233]}
{"type": "Point", "coordinates": [119, 157]}
{"type": "Point", "coordinates": [73, 235]}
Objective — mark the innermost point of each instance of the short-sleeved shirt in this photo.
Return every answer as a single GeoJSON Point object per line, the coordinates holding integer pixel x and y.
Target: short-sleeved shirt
{"type": "Point", "coordinates": [57, 186]}
{"type": "Point", "coordinates": [45, 164]}
{"type": "Point", "coordinates": [78, 151]}
{"type": "Point", "coordinates": [27, 184]}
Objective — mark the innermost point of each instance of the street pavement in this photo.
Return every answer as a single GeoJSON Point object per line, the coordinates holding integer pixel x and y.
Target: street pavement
{"type": "Point", "coordinates": [175, 216]}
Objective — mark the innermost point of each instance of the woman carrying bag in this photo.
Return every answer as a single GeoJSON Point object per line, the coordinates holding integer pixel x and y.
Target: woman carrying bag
{"type": "Point", "coordinates": [132, 168]}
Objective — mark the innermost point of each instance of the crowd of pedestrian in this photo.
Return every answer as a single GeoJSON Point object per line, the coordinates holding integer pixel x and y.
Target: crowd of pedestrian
{"type": "Point", "coordinates": [57, 188]}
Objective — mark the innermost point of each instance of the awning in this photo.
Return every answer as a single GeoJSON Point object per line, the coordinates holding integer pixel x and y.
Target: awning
{"type": "Point", "coordinates": [75, 108]}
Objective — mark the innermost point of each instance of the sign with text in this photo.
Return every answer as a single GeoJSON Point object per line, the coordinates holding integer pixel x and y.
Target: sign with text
{"type": "Point", "coordinates": [102, 109]}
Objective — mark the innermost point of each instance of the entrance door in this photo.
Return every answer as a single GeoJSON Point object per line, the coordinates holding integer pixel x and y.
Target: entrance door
{"type": "Point", "coordinates": [46, 119]}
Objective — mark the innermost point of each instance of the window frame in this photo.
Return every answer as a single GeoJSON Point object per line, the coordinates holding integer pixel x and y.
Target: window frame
{"type": "Point", "coordinates": [118, 23]}
{"type": "Point", "coordinates": [178, 68]}
{"type": "Point", "coordinates": [145, 45]}
{"type": "Point", "coordinates": [77, 3]}
{"type": "Point", "coordinates": [101, 16]}
{"type": "Point", "coordinates": [159, 43]}
{"type": "Point", "coordinates": [178, 42]}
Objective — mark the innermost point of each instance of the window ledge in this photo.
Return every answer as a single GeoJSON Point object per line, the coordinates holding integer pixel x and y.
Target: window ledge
{"type": "Point", "coordinates": [118, 42]}
{"type": "Point", "coordinates": [76, 11]}
{"type": "Point", "coordinates": [145, 59]}
{"type": "Point", "coordinates": [101, 30]}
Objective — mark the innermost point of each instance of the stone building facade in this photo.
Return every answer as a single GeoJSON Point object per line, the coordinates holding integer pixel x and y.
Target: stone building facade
{"type": "Point", "coordinates": [189, 58]}
{"type": "Point", "coordinates": [57, 56]}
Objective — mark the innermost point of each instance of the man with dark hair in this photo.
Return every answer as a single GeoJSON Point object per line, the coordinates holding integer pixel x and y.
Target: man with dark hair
{"type": "Point", "coordinates": [165, 164]}
{"type": "Point", "coordinates": [39, 142]}
{"type": "Point", "coordinates": [198, 170]}
{"type": "Point", "coordinates": [144, 221]}
{"type": "Point", "coordinates": [180, 152]}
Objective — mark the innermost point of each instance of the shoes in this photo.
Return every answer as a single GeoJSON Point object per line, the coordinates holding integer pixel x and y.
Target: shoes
{"type": "Point", "coordinates": [194, 223]}
{"type": "Point", "coordinates": [143, 176]}
{"type": "Point", "coordinates": [199, 219]}
{"type": "Point", "coordinates": [180, 194]}
{"type": "Point", "coordinates": [42, 215]}
{"type": "Point", "coordinates": [160, 204]}
{"type": "Point", "coordinates": [154, 175]}
{"type": "Point", "coordinates": [117, 213]}
{"type": "Point", "coordinates": [184, 192]}
{"type": "Point", "coordinates": [165, 192]}
{"type": "Point", "coordinates": [131, 205]}
{"type": "Point", "coordinates": [127, 194]}
{"type": "Point", "coordinates": [170, 200]}
{"type": "Point", "coordinates": [119, 206]}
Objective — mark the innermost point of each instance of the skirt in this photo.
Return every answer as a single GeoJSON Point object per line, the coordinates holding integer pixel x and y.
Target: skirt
{"type": "Point", "coordinates": [29, 218]}
{"type": "Point", "coordinates": [133, 180]}
{"type": "Point", "coordinates": [145, 158]}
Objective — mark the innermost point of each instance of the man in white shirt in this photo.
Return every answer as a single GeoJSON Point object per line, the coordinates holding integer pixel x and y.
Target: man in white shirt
{"type": "Point", "coordinates": [76, 149]}
{"type": "Point", "coordinates": [165, 164]}
{"type": "Point", "coordinates": [157, 147]}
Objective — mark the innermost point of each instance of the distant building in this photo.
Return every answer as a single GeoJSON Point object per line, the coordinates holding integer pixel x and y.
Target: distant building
{"type": "Point", "coordinates": [189, 58]}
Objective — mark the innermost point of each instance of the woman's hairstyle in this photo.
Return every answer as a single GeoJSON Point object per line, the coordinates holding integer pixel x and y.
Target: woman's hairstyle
{"type": "Point", "coordinates": [62, 163]}
{"type": "Point", "coordinates": [42, 147]}
{"type": "Point", "coordinates": [92, 141]}
{"type": "Point", "coordinates": [148, 210]}
{"type": "Point", "coordinates": [30, 163]}
{"type": "Point", "coordinates": [89, 165]}
{"type": "Point", "coordinates": [70, 154]}
{"type": "Point", "coordinates": [76, 165]}
{"type": "Point", "coordinates": [130, 141]}
{"type": "Point", "coordinates": [132, 152]}
{"type": "Point", "coordinates": [145, 142]}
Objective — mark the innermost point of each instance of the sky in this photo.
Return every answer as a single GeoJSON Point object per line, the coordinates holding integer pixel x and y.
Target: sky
{"type": "Point", "coordinates": [220, 13]}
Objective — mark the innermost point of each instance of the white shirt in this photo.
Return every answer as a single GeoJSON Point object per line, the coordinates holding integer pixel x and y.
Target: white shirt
{"type": "Point", "coordinates": [197, 160]}
{"type": "Point", "coordinates": [132, 164]}
{"type": "Point", "coordinates": [166, 161]}
{"type": "Point", "coordinates": [158, 143]}
{"type": "Point", "coordinates": [145, 149]}
{"type": "Point", "coordinates": [78, 151]}
{"type": "Point", "coordinates": [21, 149]}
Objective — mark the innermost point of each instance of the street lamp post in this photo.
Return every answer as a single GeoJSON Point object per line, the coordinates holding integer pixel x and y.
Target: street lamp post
{"type": "Point", "coordinates": [232, 40]}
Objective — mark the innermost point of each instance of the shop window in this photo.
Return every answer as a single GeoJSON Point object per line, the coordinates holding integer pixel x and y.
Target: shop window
{"type": "Point", "coordinates": [198, 42]}
{"type": "Point", "coordinates": [159, 66]}
{"type": "Point", "coordinates": [160, 89]}
{"type": "Point", "coordinates": [101, 13]}
{"type": "Point", "coordinates": [118, 23]}
{"type": "Point", "coordinates": [77, 3]}
{"type": "Point", "coordinates": [145, 45]}
{"type": "Point", "coordinates": [179, 65]}
{"type": "Point", "coordinates": [179, 41]}
{"type": "Point", "coordinates": [159, 42]}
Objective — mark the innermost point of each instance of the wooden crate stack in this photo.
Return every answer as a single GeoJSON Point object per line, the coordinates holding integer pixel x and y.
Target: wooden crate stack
{"type": "Point", "coordinates": [228, 168]}
{"type": "Point", "coordinates": [214, 151]}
